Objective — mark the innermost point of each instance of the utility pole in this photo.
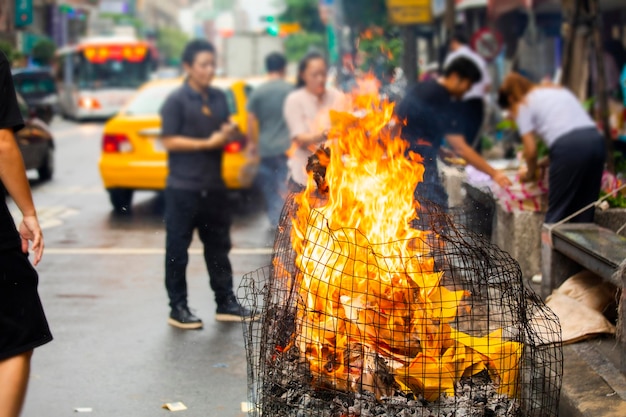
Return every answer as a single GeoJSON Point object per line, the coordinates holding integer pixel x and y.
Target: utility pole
{"type": "Point", "coordinates": [409, 57]}
{"type": "Point", "coordinates": [8, 12]}
{"type": "Point", "coordinates": [450, 19]}
{"type": "Point", "coordinates": [572, 8]}
{"type": "Point", "coordinates": [584, 29]}
{"type": "Point", "coordinates": [601, 93]}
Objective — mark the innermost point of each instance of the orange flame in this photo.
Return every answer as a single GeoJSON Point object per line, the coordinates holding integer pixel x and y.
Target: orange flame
{"type": "Point", "coordinates": [372, 306]}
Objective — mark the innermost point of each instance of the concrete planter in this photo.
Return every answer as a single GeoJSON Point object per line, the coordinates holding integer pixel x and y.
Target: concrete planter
{"type": "Point", "coordinates": [613, 219]}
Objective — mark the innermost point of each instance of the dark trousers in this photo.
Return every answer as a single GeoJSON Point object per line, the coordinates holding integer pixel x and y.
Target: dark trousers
{"type": "Point", "coordinates": [431, 195]}
{"type": "Point", "coordinates": [430, 192]}
{"type": "Point", "coordinates": [208, 212]}
{"type": "Point", "coordinates": [272, 179]}
{"type": "Point", "coordinates": [576, 166]}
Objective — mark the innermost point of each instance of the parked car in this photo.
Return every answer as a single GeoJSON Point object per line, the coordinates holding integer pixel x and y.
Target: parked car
{"type": "Point", "coordinates": [132, 155]}
{"type": "Point", "coordinates": [35, 141]}
{"type": "Point", "coordinates": [38, 87]}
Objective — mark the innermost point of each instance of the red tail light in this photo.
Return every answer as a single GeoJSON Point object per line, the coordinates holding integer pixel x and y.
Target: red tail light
{"type": "Point", "coordinates": [89, 103]}
{"type": "Point", "coordinates": [115, 143]}
{"type": "Point", "coordinates": [233, 147]}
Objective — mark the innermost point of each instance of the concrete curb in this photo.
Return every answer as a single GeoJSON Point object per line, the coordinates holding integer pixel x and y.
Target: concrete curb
{"type": "Point", "coordinates": [586, 392]}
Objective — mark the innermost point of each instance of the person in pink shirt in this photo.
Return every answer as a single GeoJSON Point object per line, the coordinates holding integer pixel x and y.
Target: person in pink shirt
{"type": "Point", "coordinates": [307, 112]}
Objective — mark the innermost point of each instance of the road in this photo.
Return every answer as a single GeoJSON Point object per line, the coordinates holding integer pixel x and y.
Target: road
{"type": "Point", "coordinates": [101, 282]}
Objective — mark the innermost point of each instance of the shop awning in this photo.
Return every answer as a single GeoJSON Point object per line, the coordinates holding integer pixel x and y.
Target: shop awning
{"type": "Point", "coordinates": [498, 7]}
{"type": "Point", "coordinates": [470, 4]}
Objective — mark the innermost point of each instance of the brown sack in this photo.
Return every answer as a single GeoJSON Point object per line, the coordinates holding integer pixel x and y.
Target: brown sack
{"type": "Point", "coordinates": [578, 321]}
{"type": "Point", "coordinates": [591, 291]}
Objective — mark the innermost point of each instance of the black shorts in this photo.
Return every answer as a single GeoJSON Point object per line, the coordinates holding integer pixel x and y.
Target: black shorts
{"type": "Point", "coordinates": [23, 324]}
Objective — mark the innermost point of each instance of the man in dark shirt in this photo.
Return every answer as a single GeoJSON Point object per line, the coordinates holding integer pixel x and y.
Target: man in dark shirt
{"type": "Point", "coordinates": [430, 115]}
{"type": "Point", "coordinates": [195, 129]}
{"type": "Point", "coordinates": [23, 325]}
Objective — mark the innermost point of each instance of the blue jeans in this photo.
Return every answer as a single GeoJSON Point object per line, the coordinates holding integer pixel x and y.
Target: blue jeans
{"type": "Point", "coordinates": [272, 179]}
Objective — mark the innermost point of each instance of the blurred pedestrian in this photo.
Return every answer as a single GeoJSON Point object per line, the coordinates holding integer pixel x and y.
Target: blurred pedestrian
{"type": "Point", "coordinates": [307, 112]}
{"type": "Point", "coordinates": [430, 115]}
{"type": "Point", "coordinates": [577, 152]}
{"type": "Point", "coordinates": [265, 109]}
{"type": "Point", "coordinates": [195, 129]}
{"type": "Point", "coordinates": [23, 324]}
{"type": "Point", "coordinates": [473, 104]}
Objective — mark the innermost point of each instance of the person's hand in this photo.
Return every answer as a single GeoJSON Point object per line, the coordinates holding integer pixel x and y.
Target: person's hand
{"type": "Point", "coordinates": [544, 162]}
{"type": "Point", "coordinates": [252, 150]}
{"type": "Point", "coordinates": [229, 130]}
{"type": "Point", "coordinates": [30, 231]}
{"type": "Point", "coordinates": [527, 177]}
{"type": "Point", "coordinates": [501, 179]}
{"type": "Point", "coordinates": [216, 141]}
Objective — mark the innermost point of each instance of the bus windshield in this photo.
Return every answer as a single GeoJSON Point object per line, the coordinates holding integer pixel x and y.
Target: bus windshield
{"type": "Point", "coordinates": [112, 73]}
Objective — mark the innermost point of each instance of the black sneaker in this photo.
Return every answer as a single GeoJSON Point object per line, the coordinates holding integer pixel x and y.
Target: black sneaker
{"type": "Point", "coordinates": [182, 318]}
{"type": "Point", "coordinates": [231, 310]}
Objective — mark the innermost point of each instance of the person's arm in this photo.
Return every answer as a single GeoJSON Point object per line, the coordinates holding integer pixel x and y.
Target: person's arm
{"type": "Point", "coordinates": [461, 148]}
{"type": "Point", "coordinates": [13, 176]}
{"type": "Point", "coordinates": [184, 144]}
{"type": "Point", "coordinates": [530, 156]}
{"type": "Point", "coordinates": [298, 126]}
{"type": "Point", "coordinates": [526, 128]}
{"type": "Point", "coordinates": [305, 139]}
{"type": "Point", "coordinates": [251, 123]}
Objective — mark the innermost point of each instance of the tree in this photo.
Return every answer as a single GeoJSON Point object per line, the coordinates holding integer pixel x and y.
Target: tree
{"type": "Point", "coordinates": [8, 50]}
{"type": "Point", "coordinates": [120, 19]}
{"type": "Point", "coordinates": [360, 14]}
{"type": "Point", "coordinates": [43, 51]}
{"type": "Point", "coordinates": [171, 43]}
{"type": "Point", "coordinates": [382, 52]}
{"type": "Point", "coordinates": [299, 44]}
{"type": "Point", "coordinates": [305, 12]}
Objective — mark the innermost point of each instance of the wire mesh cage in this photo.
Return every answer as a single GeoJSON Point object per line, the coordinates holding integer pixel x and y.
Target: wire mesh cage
{"type": "Point", "coordinates": [471, 340]}
{"type": "Point", "coordinates": [371, 310]}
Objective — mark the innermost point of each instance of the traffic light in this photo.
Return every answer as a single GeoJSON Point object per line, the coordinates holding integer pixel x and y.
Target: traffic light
{"type": "Point", "coordinates": [273, 28]}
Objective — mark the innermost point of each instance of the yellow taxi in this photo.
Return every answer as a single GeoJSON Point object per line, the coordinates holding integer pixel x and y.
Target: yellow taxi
{"type": "Point", "coordinates": [133, 158]}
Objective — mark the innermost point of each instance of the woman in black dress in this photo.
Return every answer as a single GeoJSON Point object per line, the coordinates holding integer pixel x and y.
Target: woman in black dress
{"type": "Point", "coordinates": [23, 325]}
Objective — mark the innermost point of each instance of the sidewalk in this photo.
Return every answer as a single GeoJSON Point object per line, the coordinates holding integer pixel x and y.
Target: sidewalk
{"type": "Point", "coordinates": [592, 384]}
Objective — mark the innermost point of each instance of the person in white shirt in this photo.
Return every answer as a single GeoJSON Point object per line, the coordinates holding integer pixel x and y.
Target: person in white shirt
{"type": "Point", "coordinates": [473, 105]}
{"type": "Point", "coordinates": [577, 151]}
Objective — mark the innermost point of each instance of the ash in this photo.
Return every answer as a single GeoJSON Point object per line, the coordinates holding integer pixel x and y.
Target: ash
{"type": "Point", "coordinates": [291, 395]}
{"type": "Point", "coordinates": [469, 402]}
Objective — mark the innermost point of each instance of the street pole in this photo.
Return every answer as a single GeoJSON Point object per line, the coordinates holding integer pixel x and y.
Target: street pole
{"type": "Point", "coordinates": [450, 19]}
{"type": "Point", "coordinates": [603, 100]}
{"type": "Point", "coordinates": [409, 57]}
{"type": "Point", "coordinates": [567, 65]}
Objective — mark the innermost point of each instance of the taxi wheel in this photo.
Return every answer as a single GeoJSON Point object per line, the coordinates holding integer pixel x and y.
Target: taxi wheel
{"type": "Point", "coordinates": [121, 199]}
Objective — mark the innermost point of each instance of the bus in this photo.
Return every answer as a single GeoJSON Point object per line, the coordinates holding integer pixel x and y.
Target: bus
{"type": "Point", "coordinates": [98, 75]}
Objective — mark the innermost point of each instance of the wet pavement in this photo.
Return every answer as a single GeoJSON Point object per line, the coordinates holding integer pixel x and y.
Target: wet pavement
{"type": "Point", "coordinates": [101, 282]}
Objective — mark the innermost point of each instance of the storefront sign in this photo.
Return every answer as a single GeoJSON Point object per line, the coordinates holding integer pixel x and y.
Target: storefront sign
{"type": "Point", "coordinates": [23, 12]}
{"type": "Point", "coordinates": [410, 12]}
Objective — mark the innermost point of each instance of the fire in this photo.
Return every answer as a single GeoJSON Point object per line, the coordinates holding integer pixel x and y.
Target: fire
{"type": "Point", "coordinates": [373, 313]}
